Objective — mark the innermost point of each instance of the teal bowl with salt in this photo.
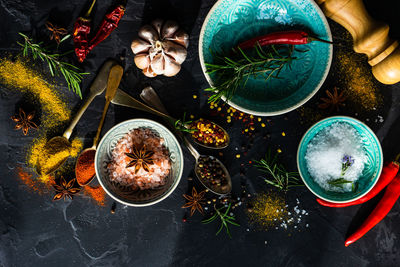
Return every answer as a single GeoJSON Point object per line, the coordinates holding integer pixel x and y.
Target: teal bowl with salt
{"type": "Point", "coordinates": [372, 167]}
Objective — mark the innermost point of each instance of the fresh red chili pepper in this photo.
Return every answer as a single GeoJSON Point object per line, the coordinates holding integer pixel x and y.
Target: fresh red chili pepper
{"type": "Point", "coordinates": [81, 33]}
{"type": "Point", "coordinates": [390, 197]}
{"type": "Point", "coordinates": [109, 23]}
{"type": "Point", "coordinates": [287, 37]}
{"type": "Point", "coordinates": [389, 171]}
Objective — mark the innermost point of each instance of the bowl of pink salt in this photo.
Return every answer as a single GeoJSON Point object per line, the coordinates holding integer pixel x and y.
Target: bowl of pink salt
{"type": "Point", "coordinates": [139, 162]}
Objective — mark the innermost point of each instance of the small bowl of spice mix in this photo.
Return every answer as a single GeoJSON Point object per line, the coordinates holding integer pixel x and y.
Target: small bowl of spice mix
{"type": "Point", "coordinates": [213, 175]}
{"type": "Point", "coordinates": [209, 134]}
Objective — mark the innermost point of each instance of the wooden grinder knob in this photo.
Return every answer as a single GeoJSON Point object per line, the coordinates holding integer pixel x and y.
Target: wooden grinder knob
{"type": "Point", "coordinates": [370, 37]}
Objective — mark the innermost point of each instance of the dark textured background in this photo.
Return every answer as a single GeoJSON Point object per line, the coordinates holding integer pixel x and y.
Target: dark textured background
{"type": "Point", "coordinates": [34, 231]}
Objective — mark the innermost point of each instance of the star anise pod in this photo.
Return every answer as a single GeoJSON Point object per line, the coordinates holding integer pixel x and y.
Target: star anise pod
{"type": "Point", "coordinates": [195, 201]}
{"type": "Point", "coordinates": [333, 100]}
{"type": "Point", "coordinates": [64, 189]}
{"type": "Point", "coordinates": [140, 159]}
{"type": "Point", "coordinates": [56, 32]}
{"type": "Point", "coordinates": [24, 121]}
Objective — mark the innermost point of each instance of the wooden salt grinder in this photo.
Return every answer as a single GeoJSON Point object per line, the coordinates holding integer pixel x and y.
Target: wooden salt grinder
{"type": "Point", "coordinates": [370, 37]}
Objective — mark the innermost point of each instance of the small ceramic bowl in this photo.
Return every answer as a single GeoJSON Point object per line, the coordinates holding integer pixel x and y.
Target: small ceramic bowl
{"type": "Point", "coordinates": [370, 174]}
{"type": "Point", "coordinates": [126, 195]}
{"type": "Point", "coordinates": [231, 22]}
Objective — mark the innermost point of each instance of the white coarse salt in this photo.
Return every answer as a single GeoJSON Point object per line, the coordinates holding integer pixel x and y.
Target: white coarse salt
{"type": "Point", "coordinates": [325, 153]}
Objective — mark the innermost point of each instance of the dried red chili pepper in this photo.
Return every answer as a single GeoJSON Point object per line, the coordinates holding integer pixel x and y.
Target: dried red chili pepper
{"type": "Point", "coordinates": [390, 197]}
{"type": "Point", "coordinates": [109, 23]}
{"type": "Point", "coordinates": [81, 33]}
{"type": "Point", "coordinates": [287, 37]}
{"type": "Point", "coordinates": [388, 173]}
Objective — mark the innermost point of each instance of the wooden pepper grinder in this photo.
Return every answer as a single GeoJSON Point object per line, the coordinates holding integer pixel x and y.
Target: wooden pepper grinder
{"type": "Point", "coordinates": [370, 37]}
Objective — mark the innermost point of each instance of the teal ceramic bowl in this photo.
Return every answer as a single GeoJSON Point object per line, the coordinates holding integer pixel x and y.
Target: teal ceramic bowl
{"type": "Point", "coordinates": [372, 168]}
{"type": "Point", "coordinates": [125, 195]}
{"type": "Point", "coordinates": [230, 22]}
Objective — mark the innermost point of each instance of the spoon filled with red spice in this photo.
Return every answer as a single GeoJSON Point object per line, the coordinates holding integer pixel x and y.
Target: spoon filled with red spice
{"type": "Point", "coordinates": [84, 167]}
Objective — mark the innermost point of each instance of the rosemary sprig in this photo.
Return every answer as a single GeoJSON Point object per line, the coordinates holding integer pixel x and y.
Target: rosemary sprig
{"type": "Point", "coordinates": [225, 219]}
{"type": "Point", "coordinates": [71, 73]}
{"type": "Point", "coordinates": [278, 176]}
{"type": "Point", "coordinates": [339, 182]}
{"type": "Point", "coordinates": [234, 72]}
{"type": "Point", "coordinates": [180, 125]}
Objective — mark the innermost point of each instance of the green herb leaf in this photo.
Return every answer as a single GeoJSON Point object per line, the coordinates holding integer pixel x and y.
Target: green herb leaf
{"type": "Point", "coordinates": [278, 176]}
{"type": "Point", "coordinates": [234, 72]}
{"type": "Point", "coordinates": [225, 219]}
{"type": "Point", "coordinates": [182, 125]}
{"type": "Point", "coordinates": [71, 73]}
{"type": "Point", "coordinates": [339, 182]}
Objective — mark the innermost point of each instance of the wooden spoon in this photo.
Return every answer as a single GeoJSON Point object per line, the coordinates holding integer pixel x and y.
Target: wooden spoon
{"type": "Point", "coordinates": [88, 154]}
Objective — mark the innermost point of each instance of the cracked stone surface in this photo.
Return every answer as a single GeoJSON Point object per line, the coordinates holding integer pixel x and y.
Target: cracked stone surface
{"type": "Point", "coordinates": [35, 231]}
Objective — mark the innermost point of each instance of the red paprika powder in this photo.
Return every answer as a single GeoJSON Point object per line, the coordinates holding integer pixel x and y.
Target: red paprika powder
{"type": "Point", "coordinates": [84, 169]}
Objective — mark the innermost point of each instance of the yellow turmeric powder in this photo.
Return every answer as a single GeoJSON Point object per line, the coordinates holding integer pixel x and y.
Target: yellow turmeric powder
{"type": "Point", "coordinates": [46, 161]}
{"type": "Point", "coordinates": [18, 75]}
{"type": "Point", "coordinates": [357, 80]}
{"type": "Point", "coordinates": [267, 210]}
{"type": "Point", "coordinates": [55, 113]}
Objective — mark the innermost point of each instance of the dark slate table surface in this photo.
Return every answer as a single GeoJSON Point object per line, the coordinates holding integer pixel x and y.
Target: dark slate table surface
{"type": "Point", "coordinates": [35, 231]}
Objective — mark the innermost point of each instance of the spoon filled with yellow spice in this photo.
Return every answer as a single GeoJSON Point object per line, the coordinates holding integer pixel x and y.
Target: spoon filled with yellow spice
{"type": "Point", "coordinates": [84, 167]}
{"type": "Point", "coordinates": [57, 150]}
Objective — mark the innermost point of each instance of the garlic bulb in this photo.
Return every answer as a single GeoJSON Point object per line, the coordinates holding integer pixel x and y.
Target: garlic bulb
{"type": "Point", "coordinates": [161, 48]}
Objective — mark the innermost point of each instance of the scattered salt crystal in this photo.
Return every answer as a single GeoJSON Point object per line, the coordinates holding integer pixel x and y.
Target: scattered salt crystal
{"type": "Point", "coordinates": [307, 225]}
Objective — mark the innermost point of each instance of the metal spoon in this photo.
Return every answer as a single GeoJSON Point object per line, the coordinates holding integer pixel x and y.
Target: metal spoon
{"type": "Point", "coordinates": [148, 95]}
{"type": "Point", "coordinates": [114, 78]}
{"type": "Point", "coordinates": [153, 100]}
{"type": "Point", "coordinates": [61, 143]}
{"type": "Point", "coordinates": [124, 99]}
